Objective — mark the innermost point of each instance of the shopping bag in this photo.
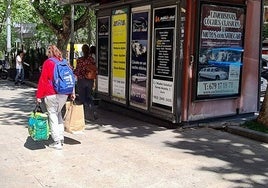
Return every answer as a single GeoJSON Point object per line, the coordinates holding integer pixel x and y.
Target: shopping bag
{"type": "Point", "coordinates": [74, 120]}
{"type": "Point", "coordinates": [38, 126]}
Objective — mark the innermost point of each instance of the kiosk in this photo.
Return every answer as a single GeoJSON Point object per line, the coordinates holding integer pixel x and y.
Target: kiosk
{"type": "Point", "coordinates": [180, 61]}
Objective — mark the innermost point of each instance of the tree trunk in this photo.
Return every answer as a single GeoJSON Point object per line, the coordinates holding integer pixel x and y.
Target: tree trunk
{"type": "Point", "coordinates": [263, 115]}
{"type": "Point", "coordinates": [63, 36]}
{"type": "Point", "coordinates": [62, 43]}
{"type": "Point", "coordinates": [62, 30]}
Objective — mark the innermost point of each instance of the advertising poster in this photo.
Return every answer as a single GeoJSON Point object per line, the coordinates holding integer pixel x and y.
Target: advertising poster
{"type": "Point", "coordinates": [163, 64]}
{"type": "Point", "coordinates": [119, 52]}
{"type": "Point", "coordinates": [139, 59]}
{"type": "Point", "coordinates": [103, 54]}
{"type": "Point", "coordinates": [183, 17]}
{"type": "Point", "coordinates": [220, 51]}
{"type": "Point", "coordinates": [164, 52]}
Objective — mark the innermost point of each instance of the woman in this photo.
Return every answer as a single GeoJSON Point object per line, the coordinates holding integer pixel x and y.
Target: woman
{"type": "Point", "coordinates": [84, 85]}
{"type": "Point", "coordinates": [53, 101]}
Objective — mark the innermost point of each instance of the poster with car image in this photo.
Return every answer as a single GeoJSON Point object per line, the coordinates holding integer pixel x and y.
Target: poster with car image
{"type": "Point", "coordinates": [220, 51]}
{"type": "Point", "coordinates": [163, 57]}
{"type": "Point", "coordinates": [139, 58]}
{"type": "Point", "coordinates": [103, 54]}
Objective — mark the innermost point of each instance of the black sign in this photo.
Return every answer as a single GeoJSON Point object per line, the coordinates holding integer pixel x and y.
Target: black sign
{"type": "Point", "coordinates": [164, 43]}
{"type": "Point", "coordinates": [163, 52]}
{"type": "Point", "coordinates": [164, 17]}
{"type": "Point", "coordinates": [103, 46]}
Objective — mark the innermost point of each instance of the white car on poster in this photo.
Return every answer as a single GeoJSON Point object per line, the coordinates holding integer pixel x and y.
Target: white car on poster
{"type": "Point", "coordinates": [214, 73]}
{"type": "Point", "coordinates": [139, 77]}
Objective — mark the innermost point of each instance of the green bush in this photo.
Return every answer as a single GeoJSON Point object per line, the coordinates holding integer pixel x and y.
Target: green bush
{"type": "Point", "coordinates": [265, 31]}
{"type": "Point", "coordinates": [254, 125]}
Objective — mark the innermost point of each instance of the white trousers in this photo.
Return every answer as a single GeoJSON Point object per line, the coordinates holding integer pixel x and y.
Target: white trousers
{"type": "Point", "coordinates": [54, 104]}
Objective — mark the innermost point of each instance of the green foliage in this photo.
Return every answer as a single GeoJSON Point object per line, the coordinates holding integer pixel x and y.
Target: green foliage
{"type": "Point", "coordinates": [254, 125]}
{"type": "Point", "coordinates": [2, 12]}
{"type": "Point", "coordinates": [25, 11]}
{"type": "Point", "coordinates": [51, 9]}
{"type": "Point", "coordinates": [21, 12]}
{"type": "Point", "coordinates": [265, 31]}
{"type": "Point", "coordinates": [58, 19]}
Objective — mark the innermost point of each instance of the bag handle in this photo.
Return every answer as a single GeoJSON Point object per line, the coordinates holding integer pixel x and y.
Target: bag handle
{"type": "Point", "coordinates": [69, 108]}
{"type": "Point", "coordinates": [37, 108]}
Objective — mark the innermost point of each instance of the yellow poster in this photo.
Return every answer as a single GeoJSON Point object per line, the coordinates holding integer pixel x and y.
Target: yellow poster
{"type": "Point", "coordinates": [119, 50]}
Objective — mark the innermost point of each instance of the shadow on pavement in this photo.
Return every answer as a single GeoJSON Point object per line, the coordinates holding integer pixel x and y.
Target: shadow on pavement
{"type": "Point", "coordinates": [237, 159]}
{"type": "Point", "coordinates": [16, 109]}
{"type": "Point", "coordinates": [242, 161]}
{"type": "Point", "coordinates": [70, 141]}
{"type": "Point", "coordinates": [37, 145]}
{"type": "Point", "coordinates": [245, 160]}
{"type": "Point", "coordinates": [34, 145]}
{"type": "Point", "coordinates": [124, 126]}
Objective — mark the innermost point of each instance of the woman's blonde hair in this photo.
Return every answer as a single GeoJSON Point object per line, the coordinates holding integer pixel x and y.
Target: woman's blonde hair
{"type": "Point", "coordinates": [53, 51]}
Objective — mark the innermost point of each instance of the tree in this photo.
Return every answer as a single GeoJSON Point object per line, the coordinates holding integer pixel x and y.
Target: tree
{"type": "Point", "coordinates": [3, 10]}
{"type": "Point", "coordinates": [18, 15]}
{"type": "Point", "coordinates": [263, 115]}
{"type": "Point", "coordinates": [58, 18]}
{"type": "Point", "coordinates": [265, 31]}
{"type": "Point", "coordinates": [53, 25]}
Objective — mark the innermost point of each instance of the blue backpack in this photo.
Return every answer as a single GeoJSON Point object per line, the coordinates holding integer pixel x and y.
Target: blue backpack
{"type": "Point", "coordinates": [63, 78]}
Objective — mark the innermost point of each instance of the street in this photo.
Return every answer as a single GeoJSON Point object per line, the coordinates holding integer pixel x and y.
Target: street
{"type": "Point", "coordinates": [117, 151]}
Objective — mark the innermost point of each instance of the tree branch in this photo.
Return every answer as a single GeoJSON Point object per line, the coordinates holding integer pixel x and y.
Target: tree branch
{"type": "Point", "coordinates": [82, 21]}
{"type": "Point", "coordinates": [47, 22]}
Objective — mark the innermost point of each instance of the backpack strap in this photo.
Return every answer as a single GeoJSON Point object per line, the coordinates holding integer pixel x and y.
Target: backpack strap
{"type": "Point", "coordinates": [55, 60]}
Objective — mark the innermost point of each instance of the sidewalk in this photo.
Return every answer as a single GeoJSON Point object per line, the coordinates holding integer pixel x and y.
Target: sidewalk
{"type": "Point", "coordinates": [231, 125]}
{"type": "Point", "coordinates": [117, 151]}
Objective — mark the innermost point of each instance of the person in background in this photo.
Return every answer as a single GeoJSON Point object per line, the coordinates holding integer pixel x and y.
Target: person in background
{"type": "Point", "coordinates": [54, 102]}
{"type": "Point", "coordinates": [19, 68]}
{"type": "Point", "coordinates": [93, 52]}
{"type": "Point", "coordinates": [84, 85]}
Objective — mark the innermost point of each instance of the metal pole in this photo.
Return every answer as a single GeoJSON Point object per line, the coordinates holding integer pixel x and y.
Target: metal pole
{"type": "Point", "coordinates": [8, 27]}
{"type": "Point", "coordinates": [72, 36]}
{"type": "Point", "coordinates": [21, 36]}
{"type": "Point", "coordinates": [188, 60]}
{"type": "Point", "coordinates": [260, 53]}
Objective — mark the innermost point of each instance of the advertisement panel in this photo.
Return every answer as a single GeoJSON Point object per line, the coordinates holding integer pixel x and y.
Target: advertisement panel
{"type": "Point", "coordinates": [103, 54]}
{"type": "Point", "coordinates": [139, 57]}
{"type": "Point", "coordinates": [119, 52]}
{"type": "Point", "coordinates": [163, 58]}
{"type": "Point", "coordinates": [220, 51]}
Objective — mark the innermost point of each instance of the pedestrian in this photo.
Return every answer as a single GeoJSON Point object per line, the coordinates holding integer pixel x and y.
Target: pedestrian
{"type": "Point", "coordinates": [84, 85]}
{"type": "Point", "coordinates": [19, 68]}
{"type": "Point", "coordinates": [54, 102]}
{"type": "Point", "coordinates": [93, 52]}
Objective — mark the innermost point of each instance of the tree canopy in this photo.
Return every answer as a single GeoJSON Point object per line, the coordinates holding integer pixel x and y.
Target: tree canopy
{"type": "Point", "coordinates": [53, 22]}
{"type": "Point", "coordinates": [58, 18]}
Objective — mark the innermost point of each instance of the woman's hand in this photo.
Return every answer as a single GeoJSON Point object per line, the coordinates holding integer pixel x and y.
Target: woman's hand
{"type": "Point", "coordinates": [72, 96]}
{"type": "Point", "coordinates": [94, 85]}
{"type": "Point", "coordinates": [38, 101]}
